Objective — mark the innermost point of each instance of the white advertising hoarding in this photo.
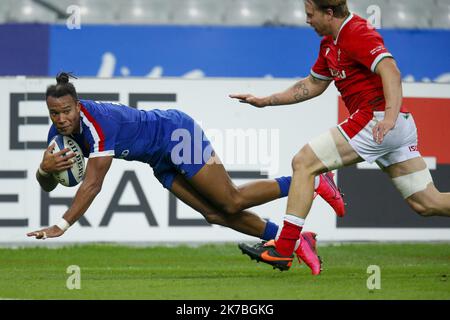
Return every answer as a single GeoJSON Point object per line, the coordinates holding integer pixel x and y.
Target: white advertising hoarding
{"type": "Point", "coordinates": [133, 206]}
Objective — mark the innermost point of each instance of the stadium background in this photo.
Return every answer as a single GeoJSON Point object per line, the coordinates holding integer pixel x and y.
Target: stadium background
{"type": "Point", "coordinates": [190, 55]}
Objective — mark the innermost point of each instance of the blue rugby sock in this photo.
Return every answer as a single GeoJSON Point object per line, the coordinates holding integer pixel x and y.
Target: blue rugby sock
{"type": "Point", "coordinates": [270, 232]}
{"type": "Point", "coordinates": [284, 184]}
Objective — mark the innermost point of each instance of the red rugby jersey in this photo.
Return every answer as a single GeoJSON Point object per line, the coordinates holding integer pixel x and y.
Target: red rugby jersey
{"type": "Point", "coordinates": [350, 61]}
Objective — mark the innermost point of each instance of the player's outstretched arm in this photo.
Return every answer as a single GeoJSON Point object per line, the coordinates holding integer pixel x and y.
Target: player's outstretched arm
{"type": "Point", "coordinates": [303, 90]}
{"type": "Point", "coordinates": [53, 163]}
{"type": "Point", "coordinates": [96, 170]}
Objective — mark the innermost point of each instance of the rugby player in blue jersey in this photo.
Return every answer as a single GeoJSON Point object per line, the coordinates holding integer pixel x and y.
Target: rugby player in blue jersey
{"type": "Point", "coordinates": [195, 176]}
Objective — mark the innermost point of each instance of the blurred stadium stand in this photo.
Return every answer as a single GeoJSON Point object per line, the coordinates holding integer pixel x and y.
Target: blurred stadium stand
{"type": "Point", "coordinates": [250, 12]}
{"type": "Point", "coordinates": [441, 15]}
{"type": "Point", "coordinates": [413, 14]}
{"type": "Point", "coordinates": [291, 12]}
{"type": "Point", "coordinates": [28, 11]}
{"type": "Point", "coordinates": [143, 12]}
{"type": "Point", "coordinates": [197, 12]}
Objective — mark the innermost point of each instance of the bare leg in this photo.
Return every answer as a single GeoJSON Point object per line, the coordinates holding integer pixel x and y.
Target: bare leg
{"type": "Point", "coordinates": [428, 202]}
{"type": "Point", "coordinates": [245, 221]}
{"type": "Point", "coordinates": [300, 198]}
{"type": "Point", "coordinates": [259, 192]}
{"type": "Point", "coordinates": [215, 185]}
{"type": "Point", "coordinates": [306, 166]}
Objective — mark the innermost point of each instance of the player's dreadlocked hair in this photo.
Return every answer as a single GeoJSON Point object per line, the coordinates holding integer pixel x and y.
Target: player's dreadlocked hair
{"type": "Point", "coordinates": [63, 87]}
{"type": "Point", "coordinates": [339, 7]}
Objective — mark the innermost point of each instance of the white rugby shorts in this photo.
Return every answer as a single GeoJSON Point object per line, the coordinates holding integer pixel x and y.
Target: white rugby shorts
{"type": "Point", "coordinates": [399, 144]}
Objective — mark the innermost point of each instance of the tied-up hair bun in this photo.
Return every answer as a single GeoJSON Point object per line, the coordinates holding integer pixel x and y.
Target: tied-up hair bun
{"type": "Point", "coordinates": [63, 77]}
{"type": "Point", "coordinates": [62, 87]}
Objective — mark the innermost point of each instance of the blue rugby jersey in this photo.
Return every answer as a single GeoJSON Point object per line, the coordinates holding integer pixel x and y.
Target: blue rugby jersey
{"type": "Point", "coordinates": [113, 129]}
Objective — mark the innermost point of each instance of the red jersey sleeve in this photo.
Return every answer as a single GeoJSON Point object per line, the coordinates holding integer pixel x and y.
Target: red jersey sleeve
{"type": "Point", "coordinates": [366, 46]}
{"type": "Point", "coordinates": [320, 69]}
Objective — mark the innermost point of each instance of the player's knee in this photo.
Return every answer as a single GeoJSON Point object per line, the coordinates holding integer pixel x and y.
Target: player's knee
{"type": "Point", "coordinates": [417, 207]}
{"type": "Point", "coordinates": [234, 206]}
{"type": "Point", "coordinates": [302, 161]}
{"type": "Point", "coordinates": [299, 161]}
{"type": "Point", "coordinates": [214, 218]}
{"type": "Point", "coordinates": [232, 202]}
{"type": "Point", "coordinates": [426, 208]}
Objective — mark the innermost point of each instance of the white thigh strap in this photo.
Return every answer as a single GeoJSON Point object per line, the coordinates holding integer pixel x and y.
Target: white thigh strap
{"type": "Point", "coordinates": [413, 182]}
{"type": "Point", "coordinates": [325, 149]}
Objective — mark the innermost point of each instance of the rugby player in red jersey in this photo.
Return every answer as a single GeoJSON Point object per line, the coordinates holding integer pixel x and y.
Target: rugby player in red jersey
{"type": "Point", "coordinates": [379, 129]}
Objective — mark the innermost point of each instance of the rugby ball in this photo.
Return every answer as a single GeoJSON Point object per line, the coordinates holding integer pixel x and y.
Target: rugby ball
{"type": "Point", "coordinates": [70, 177]}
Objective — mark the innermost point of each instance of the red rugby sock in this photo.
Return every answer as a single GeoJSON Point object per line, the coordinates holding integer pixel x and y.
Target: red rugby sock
{"type": "Point", "coordinates": [289, 235]}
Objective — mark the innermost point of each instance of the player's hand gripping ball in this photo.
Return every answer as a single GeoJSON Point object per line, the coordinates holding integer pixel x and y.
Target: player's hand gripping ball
{"type": "Point", "coordinates": [70, 177]}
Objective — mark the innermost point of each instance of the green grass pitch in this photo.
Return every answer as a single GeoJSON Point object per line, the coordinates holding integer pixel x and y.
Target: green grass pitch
{"type": "Point", "coordinates": [408, 271]}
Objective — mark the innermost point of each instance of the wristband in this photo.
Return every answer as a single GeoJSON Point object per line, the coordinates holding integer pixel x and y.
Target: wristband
{"type": "Point", "coordinates": [42, 172]}
{"type": "Point", "coordinates": [63, 224]}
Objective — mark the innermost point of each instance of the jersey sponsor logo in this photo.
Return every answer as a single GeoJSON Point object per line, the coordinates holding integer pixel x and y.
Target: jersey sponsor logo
{"type": "Point", "coordinates": [376, 50]}
{"type": "Point", "coordinates": [124, 154]}
{"type": "Point", "coordinates": [338, 74]}
{"type": "Point", "coordinates": [413, 148]}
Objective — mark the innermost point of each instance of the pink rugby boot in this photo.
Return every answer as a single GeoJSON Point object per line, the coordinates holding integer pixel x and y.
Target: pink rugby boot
{"type": "Point", "coordinates": [307, 252]}
{"type": "Point", "coordinates": [329, 192]}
